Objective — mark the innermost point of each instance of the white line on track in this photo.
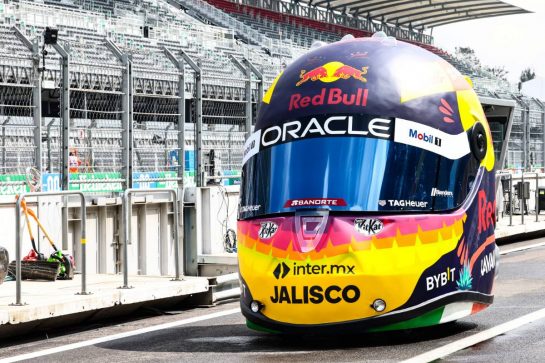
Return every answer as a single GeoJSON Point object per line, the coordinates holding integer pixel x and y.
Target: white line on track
{"type": "Point", "coordinates": [109, 338]}
{"type": "Point", "coordinates": [521, 248]}
{"type": "Point", "coordinates": [477, 338]}
{"type": "Point", "coordinates": [426, 357]}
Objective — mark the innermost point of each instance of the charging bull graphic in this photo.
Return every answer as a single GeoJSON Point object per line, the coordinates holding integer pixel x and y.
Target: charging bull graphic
{"type": "Point", "coordinates": [332, 71]}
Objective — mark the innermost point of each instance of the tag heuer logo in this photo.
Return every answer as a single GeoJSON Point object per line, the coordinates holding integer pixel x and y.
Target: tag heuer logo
{"type": "Point", "coordinates": [382, 203]}
{"type": "Point", "coordinates": [368, 227]}
{"type": "Point", "coordinates": [267, 230]}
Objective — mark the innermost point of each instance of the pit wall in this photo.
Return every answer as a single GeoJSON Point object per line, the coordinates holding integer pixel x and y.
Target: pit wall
{"type": "Point", "coordinates": [208, 213]}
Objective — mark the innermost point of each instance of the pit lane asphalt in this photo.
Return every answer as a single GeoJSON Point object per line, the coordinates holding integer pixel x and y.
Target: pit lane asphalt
{"type": "Point", "coordinates": [519, 290]}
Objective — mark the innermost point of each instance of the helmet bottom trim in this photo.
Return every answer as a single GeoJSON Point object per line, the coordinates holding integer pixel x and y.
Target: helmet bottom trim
{"type": "Point", "coordinates": [419, 316]}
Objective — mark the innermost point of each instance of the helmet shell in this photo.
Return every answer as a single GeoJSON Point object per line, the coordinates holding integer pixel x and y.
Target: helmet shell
{"type": "Point", "coordinates": [377, 76]}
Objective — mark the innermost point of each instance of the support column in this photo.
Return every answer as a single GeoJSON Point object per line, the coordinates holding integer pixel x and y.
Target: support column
{"type": "Point", "coordinates": [181, 130]}
{"type": "Point", "coordinates": [259, 76]}
{"type": "Point", "coordinates": [198, 129]}
{"type": "Point", "coordinates": [126, 122]}
{"type": "Point", "coordinates": [37, 116]}
{"type": "Point", "coordinates": [526, 137]}
{"type": "Point", "coordinates": [247, 69]}
{"type": "Point", "coordinates": [130, 127]}
{"type": "Point", "coordinates": [542, 106]}
{"type": "Point", "coordinates": [189, 250]}
{"type": "Point", "coordinates": [126, 107]}
{"type": "Point", "coordinates": [37, 102]}
{"type": "Point", "coordinates": [248, 94]}
{"type": "Point", "coordinates": [65, 114]}
{"type": "Point", "coordinates": [186, 247]}
{"type": "Point", "coordinates": [181, 117]}
{"type": "Point", "coordinates": [34, 47]}
{"type": "Point", "coordinates": [65, 139]}
{"type": "Point", "coordinates": [199, 177]}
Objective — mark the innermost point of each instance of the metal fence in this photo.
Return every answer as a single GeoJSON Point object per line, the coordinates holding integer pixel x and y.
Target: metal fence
{"type": "Point", "coordinates": [109, 109]}
{"type": "Point", "coordinates": [108, 115]}
{"type": "Point", "coordinates": [520, 198]}
{"type": "Point", "coordinates": [526, 150]}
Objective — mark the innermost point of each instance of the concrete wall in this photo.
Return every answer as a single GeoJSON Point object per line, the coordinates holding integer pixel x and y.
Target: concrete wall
{"type": "Point", "coordinates": [216, 211]}
{"type": "Point", "coordinates": [151, 250]}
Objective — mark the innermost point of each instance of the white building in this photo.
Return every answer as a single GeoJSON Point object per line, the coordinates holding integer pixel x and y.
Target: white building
{"type": "Point", "coordinates": [534, 88]}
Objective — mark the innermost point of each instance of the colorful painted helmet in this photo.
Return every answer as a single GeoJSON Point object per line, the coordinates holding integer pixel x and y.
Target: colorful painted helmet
{"type": "Point", "coordinates": [367, 193]}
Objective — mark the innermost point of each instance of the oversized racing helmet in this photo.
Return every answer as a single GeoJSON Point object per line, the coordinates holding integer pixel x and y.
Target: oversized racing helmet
{"type": "Point", "coordinates": [367, 192]}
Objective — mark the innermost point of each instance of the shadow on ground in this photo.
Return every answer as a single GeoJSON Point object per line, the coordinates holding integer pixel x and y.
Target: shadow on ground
{"type": "Point", "coordinates": [237, 338]}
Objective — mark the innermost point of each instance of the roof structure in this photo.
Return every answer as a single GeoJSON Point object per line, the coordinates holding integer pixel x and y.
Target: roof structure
{"type": "Point", "coordinates": [422, 14]}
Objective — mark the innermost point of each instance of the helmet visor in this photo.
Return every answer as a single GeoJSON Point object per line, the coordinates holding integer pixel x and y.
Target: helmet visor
{"type": "Point", "coordinates": [363, 169]}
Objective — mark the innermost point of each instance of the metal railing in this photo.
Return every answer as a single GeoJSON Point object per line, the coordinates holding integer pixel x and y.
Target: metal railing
{"type": "Point", "coordinates": [18, 229]}
{"type": "Point", "coordinates": [500, 176]}
{"type": "Point", "coordinates": [107, 83]}
{"type": "Point", "coordinates": [127, 214]}
{"type": "Point", "coordinates": [520, 195]}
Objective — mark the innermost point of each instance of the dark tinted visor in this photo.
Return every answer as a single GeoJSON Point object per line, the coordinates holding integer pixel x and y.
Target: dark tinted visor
{"type": "Point", "coordinates": [354, 171]}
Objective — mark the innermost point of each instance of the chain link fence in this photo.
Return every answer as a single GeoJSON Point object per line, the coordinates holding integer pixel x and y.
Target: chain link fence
{"type": "Point", "coordinates": [17, 128]}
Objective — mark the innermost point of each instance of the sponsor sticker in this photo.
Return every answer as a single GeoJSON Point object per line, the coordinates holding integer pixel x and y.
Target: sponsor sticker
{"type": "Point", "coordinates": [404, 203]}
{"type": "Point", "coordinates": [251, 146]}
{"type": "Point", "coordinates": [368, 227]}
{"type": "Point", "coordinates": [282, 270]}
{"type": "Point", "coordinates": [307, 202]}
{"type": "Point", "coordinates": [315, 294]}
{"type": "Point", "coordinates": [425, 137]}
{"type": "Point", "coordinates": [487, 212]}
{"type": "Point", "coordinates": [330, 97]}
{"type": "Point", "coordinates": [267, 230]}
{"type": "Point", "coordinates": [362, 125]}
{"type": "Point", "coordinates": [488, 263]}
{"type": "Point", "coordinates": [441, 193]}
{"type": "Point", "coordinates": [249, 208]}
{"type": "Point", "coordinates": [340, 125]}
{"type": "Point", "coordinates": [440, 279]}
{"type": "Point", "coordinates": [332, 72]}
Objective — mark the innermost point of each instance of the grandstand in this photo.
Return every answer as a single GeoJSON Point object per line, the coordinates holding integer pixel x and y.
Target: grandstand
{"type": "Point", "coordinates": [145, 86]}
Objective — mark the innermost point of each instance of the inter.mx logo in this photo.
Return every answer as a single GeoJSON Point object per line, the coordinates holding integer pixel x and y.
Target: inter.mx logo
{"type": "Point", "coordinates": [282, 270]}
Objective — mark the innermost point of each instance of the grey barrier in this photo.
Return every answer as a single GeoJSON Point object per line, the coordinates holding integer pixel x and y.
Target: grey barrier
{"type": "Point", "coordinates": [537, 193]}
{"type": "Point", "coordinates": [18, 239]}
{"type": "Point", "coordinates": [127, 212]}
{"type": "Point", "coordinates": [523, 201]}
{"type": "Point", "coordinates": [523, 208]}
{"type": "Point", "coordinates": [510, 178]}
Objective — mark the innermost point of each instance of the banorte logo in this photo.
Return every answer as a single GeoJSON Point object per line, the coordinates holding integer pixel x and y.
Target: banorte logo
{"type": "Point", "coordinates": [331, 72]}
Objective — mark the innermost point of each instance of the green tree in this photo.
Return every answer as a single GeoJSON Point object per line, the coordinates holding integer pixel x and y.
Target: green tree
{"type": "Point", "coordinates": [467, 55]}
{"type": "Point", "coordinates": [526, 75]}
{"type": "Point", "coordinates": [498, 72]}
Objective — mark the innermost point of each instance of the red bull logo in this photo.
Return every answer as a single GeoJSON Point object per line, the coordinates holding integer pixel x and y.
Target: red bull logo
{"type": "Point", "coordinates": [487, 210]}
{"type": "Point", "coordinates": [315, 74]}
{"type": "Point", "coordinates": [329, 96]}
{"type": "Point", "coordinates": [331, 72]}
